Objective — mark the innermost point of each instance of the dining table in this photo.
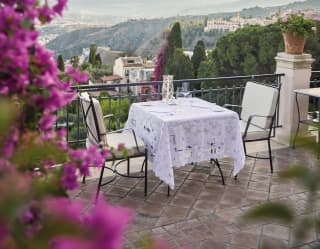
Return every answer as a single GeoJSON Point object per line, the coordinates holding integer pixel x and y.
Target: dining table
{"type": "Point", "coordinates": [184, 131]}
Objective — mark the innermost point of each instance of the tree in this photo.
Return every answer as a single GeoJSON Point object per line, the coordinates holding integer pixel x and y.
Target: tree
{"type": "Point", "coordinates": [60, 63]}
{"type": "Point", "coordinates": [98, 61]}
{"type": "Point", "coordinates": [248, 50]}
{"type": "Point", "coordinates": [199, 55]}
{"type": "Point", "coordinates": [75, 61]}
{"type": "Point", "coordinates": [313, 47]}
{"type": "Point", "coordinates": [160, 64]}
{"type": "Point", "coordinates": [175, 40]}
{"type": "Point", "coordinates": [180, 66]}
{"type": "Point", "coordinates": [92, 54]}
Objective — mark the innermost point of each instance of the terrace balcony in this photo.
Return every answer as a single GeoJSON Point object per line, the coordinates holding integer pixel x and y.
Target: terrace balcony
{"type": "Point", "coordinates": [200, 212]}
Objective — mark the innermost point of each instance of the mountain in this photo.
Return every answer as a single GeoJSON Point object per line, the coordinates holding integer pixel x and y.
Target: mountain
{"type": "Point", "coordinates": [127, 36]}
{"type": "Point", "coordinates": [165, 8]}
{"type": "Point", "coordinates": [145, 37]}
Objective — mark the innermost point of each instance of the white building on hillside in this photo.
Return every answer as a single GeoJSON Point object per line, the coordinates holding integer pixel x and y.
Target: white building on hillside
{"type": "Point", "coordinates": [135, 70]}
{"type": "Point", "coordinates": [237, 22]}
{"type": "Point", "coordinates": [123, 65]}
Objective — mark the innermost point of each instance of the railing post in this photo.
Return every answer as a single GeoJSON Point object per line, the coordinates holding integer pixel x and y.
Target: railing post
{"type": "Point", "coordinates": [297, 70]}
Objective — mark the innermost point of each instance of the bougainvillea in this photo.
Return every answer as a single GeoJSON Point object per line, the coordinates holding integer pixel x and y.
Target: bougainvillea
{"type": "Point", "coordinates": [37, 167]}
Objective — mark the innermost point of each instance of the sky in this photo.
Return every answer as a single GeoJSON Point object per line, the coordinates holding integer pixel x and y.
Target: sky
{"type": "Point", "coordinates": [164, 8]}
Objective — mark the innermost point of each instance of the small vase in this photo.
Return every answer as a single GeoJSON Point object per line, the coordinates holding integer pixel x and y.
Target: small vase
{"type": "Point", "coordinates": [293, 44]}
{"type": "Point", "coordinates": [167, 89]}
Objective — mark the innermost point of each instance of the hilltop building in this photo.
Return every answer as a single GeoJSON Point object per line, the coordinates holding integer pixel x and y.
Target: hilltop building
{"type": "Point", "coordinates": [236, 22]}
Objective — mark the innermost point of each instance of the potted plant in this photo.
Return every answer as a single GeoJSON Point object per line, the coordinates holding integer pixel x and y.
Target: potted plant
{"type": "Point", "coordinates": [295, 28]}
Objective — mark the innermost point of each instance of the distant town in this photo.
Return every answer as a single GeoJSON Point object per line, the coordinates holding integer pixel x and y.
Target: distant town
{"type": "Point", "coordinates": [236, 22]}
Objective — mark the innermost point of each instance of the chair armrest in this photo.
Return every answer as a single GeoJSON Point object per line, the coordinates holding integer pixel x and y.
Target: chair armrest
{"type": "Point", "coordinates": [108, 116]}
{"type": "Point", "coordinates": [250, 120]}
{"type": "Point", "coordinates": [229, 105]}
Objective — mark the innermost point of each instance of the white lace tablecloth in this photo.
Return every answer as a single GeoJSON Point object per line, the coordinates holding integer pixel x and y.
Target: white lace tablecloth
{"type": "Point", "coordinates": [192, 130]}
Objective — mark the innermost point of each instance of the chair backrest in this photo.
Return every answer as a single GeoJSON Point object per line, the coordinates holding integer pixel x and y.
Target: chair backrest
{"type": "Point", "coordinates": [259, 99]}
{"type": "Point", "coordinates": [93, 119]}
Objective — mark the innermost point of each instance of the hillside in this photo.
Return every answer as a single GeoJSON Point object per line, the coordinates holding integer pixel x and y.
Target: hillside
{"type": "Point", "coordinates": [145, 37]}
{"type": "Point", "coordinates": [127, 36]}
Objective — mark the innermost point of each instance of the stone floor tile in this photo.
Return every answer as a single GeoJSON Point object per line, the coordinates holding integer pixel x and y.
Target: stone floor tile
{"type": "Point", "coordinates": [261, 186]}
{"type": "Point", "coordinates": [211, 244]}
{"type": "Point", "coordinates": [127, 182]}
{"type": "Point", "coordinates": [198, 176]}
{"type": "Point", "coordinates": [276, 231]}
{"type": "Point", "coordinates": [182, 200]}
{"type": "Point", "coordinates": [248, 240]}
{"type": "Point", "coordinates": [130, 203]}
{"type": "Point", "coordinates": [271, 242]}
{"type": "Point", "coordinates": [151, 185]}
{"type": "Point", "coordinates": [161, 198]}
{"type": "Point", "coordinates": [137, 194]}
{"type": "Point", "coordinates": [118, 191]}
{"type": "Point", "coordinates": [202, 213]}
{"type": "Point", "coordinates": [150, 209]}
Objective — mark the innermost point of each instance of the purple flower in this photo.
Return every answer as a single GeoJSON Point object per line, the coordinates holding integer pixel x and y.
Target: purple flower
{"type": "Point", "coordinates": [58, 8]}
{"type": "Point", "coordinates": [69, 179]}
{"type": "Point", "coordinates": [3, 234]}
{"type": "Point", "coordinates": [47, 121]}
{"type": "Point", "coordinates": [121, 146]}
{"type": "Point", "coordinates": [109, 223]}
{"type": "Point", "coordinates": [77, 75]}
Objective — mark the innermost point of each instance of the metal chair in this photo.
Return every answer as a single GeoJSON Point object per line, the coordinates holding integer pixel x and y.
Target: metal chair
{"type": "Point", "coordinates": [258, 112]}
{"type": "Point", "coordinates": [97, 135]}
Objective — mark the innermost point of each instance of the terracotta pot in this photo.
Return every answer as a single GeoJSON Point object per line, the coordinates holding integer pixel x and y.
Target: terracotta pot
{"type": "Point", "coordinates": [293, 44]}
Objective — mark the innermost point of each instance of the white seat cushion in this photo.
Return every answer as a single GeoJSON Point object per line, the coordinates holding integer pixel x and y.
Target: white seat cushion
{"type": "Point", "coordinates": [127, 138]}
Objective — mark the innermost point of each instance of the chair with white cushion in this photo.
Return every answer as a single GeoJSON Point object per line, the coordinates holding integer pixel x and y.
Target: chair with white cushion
{"type": "Point", "coordinates": [97, 135]}
{"type": "Point", "coordinates": [258, 111]}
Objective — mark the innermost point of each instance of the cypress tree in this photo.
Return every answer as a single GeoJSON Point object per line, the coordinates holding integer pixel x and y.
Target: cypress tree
{"type": "Point", "coordinates": [199, 55]}
{"type": "Point", "coordinates": [98, 61]}
{"type": "Point", "coordinates": [175, 40]}
{"type": "Point", "coordinates": [60, 63]}
{"type": "Point", "coordinates": [92, 54]}
{"type": "Point", "coordinates": [180, 66]}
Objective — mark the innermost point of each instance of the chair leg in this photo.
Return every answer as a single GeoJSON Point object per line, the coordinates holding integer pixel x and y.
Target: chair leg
{"type": "Point", "coordinates": [84, 179]}
{"type": "Point", "coordinates": [100, 180]}
{"type": "Point", "coordinates": [146, 174]}
{"type": "Point", "coordinates": [270, 156]}
{"type": "Point", "coordinates": [168, 191]}
{"type": "Point", "coordinates": [295, 136]}
{"type": "Point", "coordinates": [128, 166]}
{"type": "Point", "coordinates": [244, 147]}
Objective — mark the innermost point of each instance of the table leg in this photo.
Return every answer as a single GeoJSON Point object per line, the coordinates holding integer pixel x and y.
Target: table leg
{"type": "Point", "coordinates": [297, 131]}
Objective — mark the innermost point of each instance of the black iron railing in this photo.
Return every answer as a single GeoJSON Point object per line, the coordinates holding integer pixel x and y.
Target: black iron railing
{"type": "Point", "coordinates": [314, 102]}
{"type": "Point", "coordinates": [117, 98]}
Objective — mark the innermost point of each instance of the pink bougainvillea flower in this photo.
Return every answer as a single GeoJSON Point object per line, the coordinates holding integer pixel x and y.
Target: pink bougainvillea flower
{"type": "Point", "coordinates": [77, 75]}
{"type": "Point", "coordinates": [47, 121]}
{"type": "Point", "coordinates": [121, 146]}
{"type": "Point", "coordinates": [69, 179]}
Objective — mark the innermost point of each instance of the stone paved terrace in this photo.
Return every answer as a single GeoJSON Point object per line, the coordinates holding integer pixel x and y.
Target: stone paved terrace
{"type": "Point", "coordinates": [204, 214]}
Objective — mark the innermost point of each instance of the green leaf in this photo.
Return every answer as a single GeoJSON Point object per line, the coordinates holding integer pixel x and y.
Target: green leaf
{"type": "Point", "coordinates": [8, 114]}
{"type": "Point", "coordinates": [305, 175]}
{"type": "Point", "coordinates": [31, 154]}
{"type": "Point", "coordinates": [271, 210]}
